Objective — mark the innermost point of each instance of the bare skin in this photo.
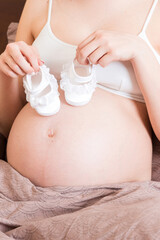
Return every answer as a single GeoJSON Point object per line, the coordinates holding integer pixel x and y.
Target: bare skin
{"type": "Point", "coordinates": [106, 141]}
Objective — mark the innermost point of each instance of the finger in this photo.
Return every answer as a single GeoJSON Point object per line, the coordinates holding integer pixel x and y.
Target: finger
{"type": "Point", "coordinates": [84, 53]}
{"type": "Point", "coordinates": [13, 66]}
{"type": "Point", "coordinates": [106, 60]}
{"type": "Point", "coordinates": [40, 62]}
{"type": "Point", "coordinates": [35, 50]}
{"type": "Point", "coordinates": [31, 56]}
{"type": "Point", "coordinates": [95, 56]}
{"type": "Point", "coordinates": [20, 60]}
{"type": "Point", "coordinates": [8, 72]}
{"type": "Point", "coordinates": [86, 41]}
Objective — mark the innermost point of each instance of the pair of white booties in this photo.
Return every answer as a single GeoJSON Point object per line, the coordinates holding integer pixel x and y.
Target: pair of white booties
{"type": "Point", "coordinates": [41, 88]}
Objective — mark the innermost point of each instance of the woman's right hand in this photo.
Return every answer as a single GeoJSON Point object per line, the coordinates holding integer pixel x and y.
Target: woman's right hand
{"type": "Point", "coordinates": [19, 59]}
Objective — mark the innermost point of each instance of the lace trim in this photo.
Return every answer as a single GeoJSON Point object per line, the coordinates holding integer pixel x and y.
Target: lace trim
{"type": "Point", "coordinates": [35, 100]}
{"type": "Point", "coordinates": [46, 77]}
{"type": "Point", "coordinates": [83, 88]}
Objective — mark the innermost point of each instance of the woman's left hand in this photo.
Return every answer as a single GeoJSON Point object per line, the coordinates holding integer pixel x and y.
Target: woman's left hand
{"type": "Point", "coordinates": [102, 47]}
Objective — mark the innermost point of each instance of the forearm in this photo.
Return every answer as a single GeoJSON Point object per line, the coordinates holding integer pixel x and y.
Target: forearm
{"type": "Point", "coordinates": [147, 70]}
{"type": "Point", "coordinates": [10, 102]}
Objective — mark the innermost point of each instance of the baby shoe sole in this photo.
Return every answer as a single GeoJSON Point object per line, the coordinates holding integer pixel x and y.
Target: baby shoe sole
{"type": "Point", "coordinates": [75, 103]}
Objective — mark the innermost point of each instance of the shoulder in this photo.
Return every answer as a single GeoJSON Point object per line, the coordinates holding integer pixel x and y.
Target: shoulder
{"type": "Point", "coordinates": [34, 8]}
{"type": "Point", "coordinates": [34, 11]}
{"type": "Point", "coordinates": [35, 5]}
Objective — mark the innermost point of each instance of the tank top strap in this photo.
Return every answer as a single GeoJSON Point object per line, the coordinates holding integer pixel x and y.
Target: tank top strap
{"type": "Point", "coordinates": [149, 15]}
{"type": "Point", "coordinates": [49, 12]}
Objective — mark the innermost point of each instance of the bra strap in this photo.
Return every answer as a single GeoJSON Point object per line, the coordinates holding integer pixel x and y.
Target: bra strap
{"type": "Point", "coordinates": [49, 11]}
{"type": "Point", "coordinates": [149, 15]}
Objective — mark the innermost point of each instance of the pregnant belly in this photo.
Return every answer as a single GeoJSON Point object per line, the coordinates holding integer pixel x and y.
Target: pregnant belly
{"type": "Point", "coordinates": [105, 141]}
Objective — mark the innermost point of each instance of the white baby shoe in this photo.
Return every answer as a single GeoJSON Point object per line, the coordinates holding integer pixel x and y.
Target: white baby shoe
{"type": "Point", "coordinates": [78, 82]}
{"type": "Point", "coordinates": [41, 90]}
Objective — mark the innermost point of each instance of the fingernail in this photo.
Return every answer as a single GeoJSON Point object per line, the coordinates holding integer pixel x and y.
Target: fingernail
{"type": "Point", "coordinates": [40, 62]}
{"type": "Point", "coordinates": [87, 61]}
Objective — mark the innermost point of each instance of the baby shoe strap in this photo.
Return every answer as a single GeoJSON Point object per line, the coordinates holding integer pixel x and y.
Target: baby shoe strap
{"type": "Point", "coordinates": [66, 85]}
{"type": "Point", "coordinates": [44, 100]}
{"type": "Point", "coordinates": [45, 79]}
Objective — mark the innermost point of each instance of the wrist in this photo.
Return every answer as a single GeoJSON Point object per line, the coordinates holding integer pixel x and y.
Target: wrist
{"type": "Point", "coordinates": [141, 51]}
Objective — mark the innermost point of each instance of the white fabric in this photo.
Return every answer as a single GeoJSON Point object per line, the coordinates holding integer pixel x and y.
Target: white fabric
{"type": "Point", "coordinates": [41, 91]}
{"type": "Point", "coordinates": [143, 32]}
{"type": "Point", "coordinates": [77, 94]}
{"type": "Point", "coordinates": [11, 32]}
{"type": "Point", "coordinates": [117, 77]}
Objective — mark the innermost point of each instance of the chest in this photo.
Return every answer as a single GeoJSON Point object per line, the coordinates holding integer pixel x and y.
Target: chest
{"type": "Point", "coordinates": [73, 24]}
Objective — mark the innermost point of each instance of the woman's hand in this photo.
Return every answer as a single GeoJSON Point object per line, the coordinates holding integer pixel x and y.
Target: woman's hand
{"type": "Point", "coordinates": [19, 58]}
{"type": "Point", "coordinates": [102, 47]}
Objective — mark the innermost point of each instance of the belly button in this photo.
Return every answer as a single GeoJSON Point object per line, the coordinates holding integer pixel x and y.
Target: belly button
{"type": "Point", "coordinates": [51, 133]}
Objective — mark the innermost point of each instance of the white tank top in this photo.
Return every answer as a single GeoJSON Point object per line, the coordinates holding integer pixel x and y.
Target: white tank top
{"type": "Point", "coordinates": [118, 77]}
